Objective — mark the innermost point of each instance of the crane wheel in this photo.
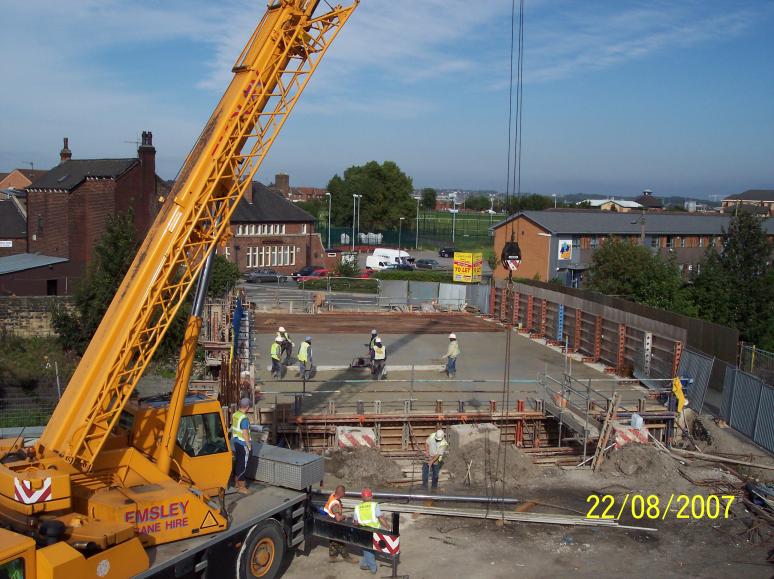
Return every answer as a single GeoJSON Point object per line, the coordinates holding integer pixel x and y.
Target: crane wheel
{"type": "Point", "coordinates": [263, 552]}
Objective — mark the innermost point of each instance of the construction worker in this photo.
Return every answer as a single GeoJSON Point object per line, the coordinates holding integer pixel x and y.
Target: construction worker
{"type": "Point", "coordinates": [276, 357]}
{"type": "Point", "coordinates": [380, 359]}
{"type": "Point", "coordinates": [241, 444]}
{"type": "Point", "coordinates": [436, 448]}
{"type": "Point", "coordinates": [286, 346]}
{"type": "Point", "coordinates": [335, 510]}
{"type": "Point", "coordinates": [452, 353]}
{"type": "Point", "coordinates": [305, 358]}
{"type": "Point", "coordinates": [371, 341]}
{"type": "Point", "coordinates": [368, 514]}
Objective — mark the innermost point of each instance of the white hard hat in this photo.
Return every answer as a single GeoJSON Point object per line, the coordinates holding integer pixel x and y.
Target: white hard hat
{"type": "Point", "coordinates": [377, 340]}
{"type": "Point", "coordinates": [440, 434]}
{"type": "Point", "coordinates": [281, 329]}
{"type": "Point", "coordinates": [373, 331]}
{"type": "Point", "coordinates": [452, 336]}
{"type": "Point", "coordinates": [279, 339]}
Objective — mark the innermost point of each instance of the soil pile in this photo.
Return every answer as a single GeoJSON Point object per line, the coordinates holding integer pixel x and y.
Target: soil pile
{"type": "Point", "coordinates": [363, 467]}
{"type": "Point", "coordinates": [488, 467]}
{"type": "Point", "coordinates": [643, 464]}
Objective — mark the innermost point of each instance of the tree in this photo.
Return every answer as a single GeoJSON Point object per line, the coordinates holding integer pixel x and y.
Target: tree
{"type": "Point", "coordinates": [429, 197]}
{"type": "Point", "coordinates": [735, 287]}
{"type": "Point", "coordinates": [477, 203]}
{"type": "Point", "coordinates": [530, 202]}
{"type": "Point", "coordinates": [386, 192]}
{"type": "Point", "coordinates": [315, 207]}
{"type": "Point", "coordinates": [635, 273]}
{"type": "Point", "coordinates": [113, 256]}
{"type": "Point", "coordinates": [224, 275]}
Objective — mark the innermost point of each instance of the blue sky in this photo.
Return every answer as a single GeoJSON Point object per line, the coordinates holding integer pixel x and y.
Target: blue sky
{"type": "Point", "coordinates": [619, 96]}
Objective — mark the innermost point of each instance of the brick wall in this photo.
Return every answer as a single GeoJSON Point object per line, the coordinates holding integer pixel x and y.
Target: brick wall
{"type": "Point", "coordinates": [18, 245]}
{"type": "Point", "coordinates": [47, 223]}
{"type": "Point", "coordinates": [29, 316]}
{"type": "Point", "coordinates": [535, 249]}
{"type": "Point", "coordinates": [90, 204]}
{"type": "Point", "coordinates": [309, 249]}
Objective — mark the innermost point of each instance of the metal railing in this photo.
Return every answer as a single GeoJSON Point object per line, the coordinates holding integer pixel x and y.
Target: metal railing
{"type": "Point", "coordinates": [26, 411]}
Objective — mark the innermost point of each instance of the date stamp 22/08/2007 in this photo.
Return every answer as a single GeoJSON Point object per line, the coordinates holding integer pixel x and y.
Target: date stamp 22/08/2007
{"type": "Point", "coordinates": [653, 507]}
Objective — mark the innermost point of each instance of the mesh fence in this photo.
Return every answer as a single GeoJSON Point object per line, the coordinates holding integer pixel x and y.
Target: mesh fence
{"type": "Point", "coordinates": [25, 411]}
{"type": "Point", "coordinates": [758, 362]}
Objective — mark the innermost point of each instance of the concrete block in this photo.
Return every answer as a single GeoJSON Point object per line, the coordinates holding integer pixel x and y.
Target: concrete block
{"type": "Point", "coordinates": [462, 434]}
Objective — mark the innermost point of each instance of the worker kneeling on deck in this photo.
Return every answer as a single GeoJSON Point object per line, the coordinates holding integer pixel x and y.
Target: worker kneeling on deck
{"type": "Point", "coordinates": [368, 514]}
{"type": "Point", "coordinates": [241, 443]}
{"type": "Point", "coordinates": [335, 511]}
{"type": "Point", "coordinates": [380, 359]}
{"type": "Point", "coordinates": [435, 453]}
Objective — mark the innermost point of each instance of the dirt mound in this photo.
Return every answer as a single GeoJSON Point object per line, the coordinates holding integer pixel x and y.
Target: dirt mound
{"type": "Point", "coordinates": [643, 464]}
{"type": "Point", "coordinates": [363, 467]}
{"type": "Point", "coordinates": [486, 471]}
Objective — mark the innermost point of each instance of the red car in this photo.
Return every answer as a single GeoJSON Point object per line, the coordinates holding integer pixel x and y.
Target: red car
{"type": "Point", "coordinates": [316, 274]}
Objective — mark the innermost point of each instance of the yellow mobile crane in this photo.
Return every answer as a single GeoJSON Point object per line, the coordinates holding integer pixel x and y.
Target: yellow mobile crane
{"type": "Point", "coordinates": [109, 489]}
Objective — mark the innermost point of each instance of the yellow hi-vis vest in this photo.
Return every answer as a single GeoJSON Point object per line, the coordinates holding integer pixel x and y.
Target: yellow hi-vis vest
{"type": "Point", "coordinates": [275, 350]}
{"type": "Point", "coordinates": [366, 514]}
{"type": "Point", "coordinates": [302, 352]}
{"type": "Point", "coordinates": [236, 429]}
{"type": "Point", "coordinates": [380, 352]}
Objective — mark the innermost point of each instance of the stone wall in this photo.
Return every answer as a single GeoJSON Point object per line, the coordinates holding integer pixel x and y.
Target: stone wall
{"type": "Point", "coordinates": [29, 316]}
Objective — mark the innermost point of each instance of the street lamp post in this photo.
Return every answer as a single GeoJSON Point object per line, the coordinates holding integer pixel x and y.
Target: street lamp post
{"type": "Point", "coordinates": [416, 240]}
{"type": "Point", "coordinates": [454, 221]}
{"type": "Point", "coordinates": [328, 195]}
{"type": "Point", "coordinates": [555, 199]}
{"type": "Point", "coordinates": [354, 218]}
{"type": "Point", "coordinates": [400, 231]}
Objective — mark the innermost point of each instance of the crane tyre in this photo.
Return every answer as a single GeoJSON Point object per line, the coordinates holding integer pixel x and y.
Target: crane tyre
{"type": "Point", "coordinates": [263, 552]}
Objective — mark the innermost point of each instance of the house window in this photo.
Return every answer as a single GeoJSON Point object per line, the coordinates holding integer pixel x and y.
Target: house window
{"type": "Point", "coordinates": [303, 228]}
{"type": "Point", "coordinates": [240, 230]}
{"type": "Point", "coordinates": [701, 241]}
{"type": "Point", "coordinates": [576, 242]}
{"type": "Point", "coordinates": [252, 257]}
{"type": "Point", "coordinates": [277, 255]}
{"type": "Point", "coordinates": [593, 242]}
{"type": "Point", "coordinates": [654, 241]}
{"type": "Point", "coordinates": [682, 244]}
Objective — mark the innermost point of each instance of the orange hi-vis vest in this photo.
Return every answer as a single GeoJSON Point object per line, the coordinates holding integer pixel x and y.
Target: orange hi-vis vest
{"type": "Point", "coordinates": [328, 508]}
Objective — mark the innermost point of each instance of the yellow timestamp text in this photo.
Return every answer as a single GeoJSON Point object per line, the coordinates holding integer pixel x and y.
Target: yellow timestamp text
{"type": "Point", "coordinates": [653, 507]}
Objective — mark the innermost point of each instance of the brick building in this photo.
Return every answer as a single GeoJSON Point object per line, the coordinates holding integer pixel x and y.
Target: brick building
{"type": "Point", "coordinates": [271, 232]}
{"type": "Point", "coordinates": [20, 178]}
{"type": "Point", "coordinates": [67, 210]}
{"type": "Point", "coordinates": [759, 200]}
{"type": "Point", "coordinates": [282, 185]}
{"type": "Point", "coordinates": [13, 225]}
{"type": "Point", "coordinates": [560, 244]}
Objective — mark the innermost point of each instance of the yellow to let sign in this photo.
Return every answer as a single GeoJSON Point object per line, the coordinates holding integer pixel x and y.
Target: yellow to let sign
{"type": "Point", "coordinates": [467, 267]}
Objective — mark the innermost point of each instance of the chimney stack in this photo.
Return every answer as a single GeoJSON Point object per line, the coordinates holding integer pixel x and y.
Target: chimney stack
{"type": "Point", "coordinates": [282, 183]}
{"type": "Point", "coordinates": [147, 207]}
{"type": "Point", "coordinates": [65, 154]}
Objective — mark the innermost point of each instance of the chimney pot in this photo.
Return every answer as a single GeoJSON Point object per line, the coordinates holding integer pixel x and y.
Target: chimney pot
{"type": "Point", "coordinates": [65, 154]}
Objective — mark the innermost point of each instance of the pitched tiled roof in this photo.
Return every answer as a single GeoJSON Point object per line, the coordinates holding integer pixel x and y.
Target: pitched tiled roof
{"type": "Point", "coordinates": [68, 175]}
{"type": "Point", "coordinates": [3, 176]}
{"type": "Point", "coordinates": [32, 174]}
{"type": "Point", "coordinates": [575, 221]}
{"type": "Point", "coordinates": [12, 222]}
{"type": "Point", "coordinates": [622, 202]}
{"type": "Point", "coordinates": [269, 207]}
{"type": "Point", "coordinates": [22, 261]}
{"type": "Point", "coordinates": [753, 195]}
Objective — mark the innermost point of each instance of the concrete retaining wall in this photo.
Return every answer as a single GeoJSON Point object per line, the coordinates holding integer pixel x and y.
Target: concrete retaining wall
{"type": "Point", "coordinates": [29, 316]}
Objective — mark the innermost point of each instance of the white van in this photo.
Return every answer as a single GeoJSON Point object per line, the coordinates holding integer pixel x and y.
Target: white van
{"type": "Point", "coordinates": [382, 257]}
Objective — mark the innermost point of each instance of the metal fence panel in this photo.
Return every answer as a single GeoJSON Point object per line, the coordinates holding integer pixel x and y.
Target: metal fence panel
{"type": "Point", "coordinates": [422, 291]}
{"type": "Point", "coordinates": [698, 367]}
{"type": "Point", "coordinates": [728, 393]}
{"type": "Point", "coordinates": [764, 431]}
{"type": "Point", "coordinates": [747, 392]}
{"type": "Point", "coordinates": [478, 296]}
{"type": "Point", "coordinates": [450, 294]}
{"type": "Point", "coordinates": [393, 292]}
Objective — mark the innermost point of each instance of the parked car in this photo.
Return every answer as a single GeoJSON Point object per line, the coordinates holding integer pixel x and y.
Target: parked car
{"type": "Point", "coordinates": [316, 274]}
{"type": "Point", "coordinates": [398, 266]}
{"type": "Point", "coordinates": [264, 276]}
{"type": "Point", "coordinates": [427, 264]}
{"type": "Point", "coordinates": [306, 270]}
{"type": "Point", "coordinates": [446, 252]}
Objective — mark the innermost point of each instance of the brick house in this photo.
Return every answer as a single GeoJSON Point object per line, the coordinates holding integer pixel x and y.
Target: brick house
{"type": "Point", "coordinates": [282, 185]}
{"type": "Point", "coordinates": [20, 178]}
{"type": "Point", "coordinates": [67, 210]}
{"type": "Point", "coordinates": [759, 200]}
{"type": "Point", "coordinates": [13, 225]}
{"type": "Point", "coordinates": [271, 232]}
{"type": "Point", "coordinates": [560, 244]}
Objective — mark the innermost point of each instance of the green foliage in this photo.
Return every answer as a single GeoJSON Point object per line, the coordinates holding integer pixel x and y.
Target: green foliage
{"type": "Point", "coordinates": [489, 257]}
{"type": "Point", "coordinates": [362, 286]}
{"type": "Point", "coordinates": [223, 277]}
{"type": "Point", "coordinates": [529, 202]}
{"type": "Point", "coordinates": [429, 196]}
{"type": "Point", "coordinates": [736, 287]}
{"type": "Point", "coordinates": [477, 203]}
{"type": "Point", "coordinates": [315, 207]}
{"type": "Point", "coordinates": [415, 275]}
{"type": "Point", "coordinates": [636, 273]}
{"type": "Point", "coordinates": [113, 256]}
{"type": "Point", "coordinates": [386, 194]}
{"type": "Point", "coordinates": [29, 364]}
{"type": "Point", "coordinates": [348, 268]}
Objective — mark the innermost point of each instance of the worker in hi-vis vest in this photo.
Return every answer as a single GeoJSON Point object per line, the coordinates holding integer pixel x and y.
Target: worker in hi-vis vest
{"type": "Point", "coordinates": [334, 509]}
{"type": "Point", "coordinates": [305, 358]}
{"type": "Point", "coordinates": [286, 346]}
{"type": "Point", "coordinates": [380, 359]}
{"type": "Point", "coordinates": [368, 514]}
{"type": "Point", "coordinates": [276, 357]}
{"type": "Point", "coordinates": [241, 444]}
